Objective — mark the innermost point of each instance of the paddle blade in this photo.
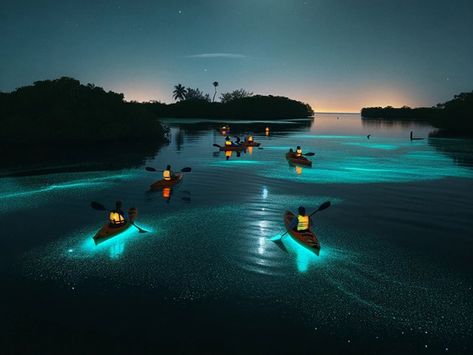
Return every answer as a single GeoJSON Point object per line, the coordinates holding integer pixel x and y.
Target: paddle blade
{"type": "Point", "coordinates": [97, 206]}
{"type": "Point", "coordinates": [149, 168]}
{"type": "Point", "coordinates": [186, 170]}
{"type": "Point", "coordinates": [324, 205]}
{"type": "Point", "coordinates": [310, 154]}
{"type": "Point", "coordinates": [216, 145]}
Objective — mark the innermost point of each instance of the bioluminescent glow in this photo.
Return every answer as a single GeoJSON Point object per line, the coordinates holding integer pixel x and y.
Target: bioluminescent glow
{"type": "Point", "coordinates": [386, 160]}
{"type": "Point", "coordinates": [235, 161]}
{"type": "Point", "coordinates": [373, 145]}
{"type": "Point", "coordinates": [41, 189]}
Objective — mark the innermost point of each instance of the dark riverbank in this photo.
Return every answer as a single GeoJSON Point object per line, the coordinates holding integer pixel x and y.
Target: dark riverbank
{"type": "Point", "coordinates": [63, 111]}
{"type": "Point", "coordinates": [453, 118]}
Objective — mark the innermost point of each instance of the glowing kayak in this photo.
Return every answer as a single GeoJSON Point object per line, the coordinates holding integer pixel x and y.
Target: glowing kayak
{"type": "Point", "coordinates": [107, 232]}
{"type": "Point", "coordinates": [307, 239]}
{"type": "Point", "coordinates": [167, 183]}
{"type": "Point", "coordinates": [298, 160]}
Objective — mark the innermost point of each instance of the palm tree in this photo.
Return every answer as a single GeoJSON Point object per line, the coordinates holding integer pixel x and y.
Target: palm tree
{"type": "Point", "coordinates": [179, 92]}
{"type": "Point", "coordinates": [215, 83]}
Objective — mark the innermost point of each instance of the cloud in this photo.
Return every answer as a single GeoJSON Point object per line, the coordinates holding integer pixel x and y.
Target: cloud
{"type": "Point", "coordinates": [217, 55]}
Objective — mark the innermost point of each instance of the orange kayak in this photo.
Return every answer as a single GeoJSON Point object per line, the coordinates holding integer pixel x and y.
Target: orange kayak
{"type": "Point", "coordinates": [167, 183]}
{"type": "Point", "coordinates": [298, 160]}
{"type": "Point", "coordinates": [107, 231]}
{"type": "Point", "coordinates": [307, 239]}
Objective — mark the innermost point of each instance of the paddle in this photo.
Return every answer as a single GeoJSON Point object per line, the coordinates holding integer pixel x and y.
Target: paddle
{"type": "Point", "coordinates": [100, 207]}
{"type": "Point", "coordinates": [322, 207]}
{"type": "Point", "coordinates": [183, 170]}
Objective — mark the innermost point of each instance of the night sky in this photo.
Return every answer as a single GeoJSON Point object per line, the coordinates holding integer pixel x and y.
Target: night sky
{"type": "Point", "coordinates": [336, 55]}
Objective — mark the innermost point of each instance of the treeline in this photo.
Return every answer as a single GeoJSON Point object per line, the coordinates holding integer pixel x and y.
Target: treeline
{"type": "Point", "coordinates": [250, 107]}
{"type": "Point", "coordinates": [455, 115]}
{"type": "Point", "coordinates": [64, 110]}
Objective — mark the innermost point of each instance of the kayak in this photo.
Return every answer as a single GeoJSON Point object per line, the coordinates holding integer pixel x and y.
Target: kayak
{"type": "Point", "coordinates": [232, 148]}
{"type": "Point", "coordinates": [107, 232]}
{"type": "Point", "coordinates": [167, 183]}
{"type": "Point", "coordinates": [250, 144]}
{"type": "Point", "coordinates": [298, 160]}
{"type": "Point", "coordinates": [307, 239]}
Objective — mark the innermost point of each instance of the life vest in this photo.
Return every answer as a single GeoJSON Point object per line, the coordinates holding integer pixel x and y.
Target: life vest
{"type": "Point", "coordinates": [228, 143]}
{"type": "Point", "coordinates": [116, 218]}
{"type": "Point", "coordinates": [250, 139]}
{"type": "Point", "coordinates": [299, 152]}
{"type": "Point", "coordinates": [167, 175]}
{"type": "Point", "coordinates": [302, 223]}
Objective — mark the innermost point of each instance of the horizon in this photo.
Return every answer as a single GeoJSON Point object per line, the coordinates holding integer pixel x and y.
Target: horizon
{"type": "Point", "coordinates": [334, 56]}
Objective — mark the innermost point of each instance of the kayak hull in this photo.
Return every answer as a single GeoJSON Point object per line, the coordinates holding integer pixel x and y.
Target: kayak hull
{"type": "Point", "coordinates": [166, 183]}
{"type": "Point", "coordinates": [291, 157]}
{"type": "Point", "coordinates": [232, 148]}
{"type": "Point", "coordinates": [254, 144]}
{"type": "Point", "coordinates": [307, 239]}
{"type": "Point", "coordinates": [107, 232]}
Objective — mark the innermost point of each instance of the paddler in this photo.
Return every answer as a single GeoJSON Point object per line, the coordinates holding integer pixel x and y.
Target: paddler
{"type": "Point", "coordinates": [298, 151]}
{"type": "Point", "coordinates": [117, 216]}
{"type": "Point", "coordinates": [229, 143]}
{"type": "Point", "coordinates": [167, 174]}
{"type": "Point", "coordinates": [249, 139]}
{"type": "Point", "coordinates": [302, 222]}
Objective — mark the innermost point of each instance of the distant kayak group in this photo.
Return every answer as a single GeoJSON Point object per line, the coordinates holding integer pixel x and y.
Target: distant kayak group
{"type": "Point", "coordinates": [299, 226]}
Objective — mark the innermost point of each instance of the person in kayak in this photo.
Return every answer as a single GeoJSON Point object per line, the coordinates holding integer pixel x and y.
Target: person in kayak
{"type": "Point", "coordinates": [229, 143]}
{"type": "Point", "coordinates": [291, 151]}
{"type": "Point", "coordinates": [249, 139]}
{"type": "Point", "coordinates": [167, 174]}
{"type": "Point", "coordinates": [117, 216]}
{"type": "Point", "coordinates": [298, 151]}
{"type": "Point", "coordinates": [302, 223]}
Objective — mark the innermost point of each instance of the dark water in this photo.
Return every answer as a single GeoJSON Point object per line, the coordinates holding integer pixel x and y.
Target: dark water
{"type": "Point", "coordinates": [394, 274]}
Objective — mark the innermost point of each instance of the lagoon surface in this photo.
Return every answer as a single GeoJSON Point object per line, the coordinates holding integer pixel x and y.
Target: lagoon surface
{"type": "Point", "coordinates": [394, 273]}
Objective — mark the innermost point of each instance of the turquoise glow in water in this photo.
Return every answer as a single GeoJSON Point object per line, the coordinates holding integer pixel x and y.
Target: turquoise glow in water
{"type": "Point", "coordinates": [390, 163]}
{"type": "Point", "coordinates": [394, 244]}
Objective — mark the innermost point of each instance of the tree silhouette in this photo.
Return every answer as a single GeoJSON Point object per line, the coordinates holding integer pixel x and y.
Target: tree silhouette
{"type": "Point", "coordinates": [179, 92]}
{"type": "Point", "coordinates": [215, 83]}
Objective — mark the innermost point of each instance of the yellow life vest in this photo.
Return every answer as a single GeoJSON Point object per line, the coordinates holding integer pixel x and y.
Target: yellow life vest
{"type": "Point", "coordinates": [302, 223]}
{"type": "Point", "coordinates": [299, 152]}
{"type": "Point", "coordinates": [228, 143]}
{"type": "Point", "coordinates": [167, 175]}
{"type": "Point", "coordinates": [250, 139]}
{"type": "Point", "coordinates": [116, 218]}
